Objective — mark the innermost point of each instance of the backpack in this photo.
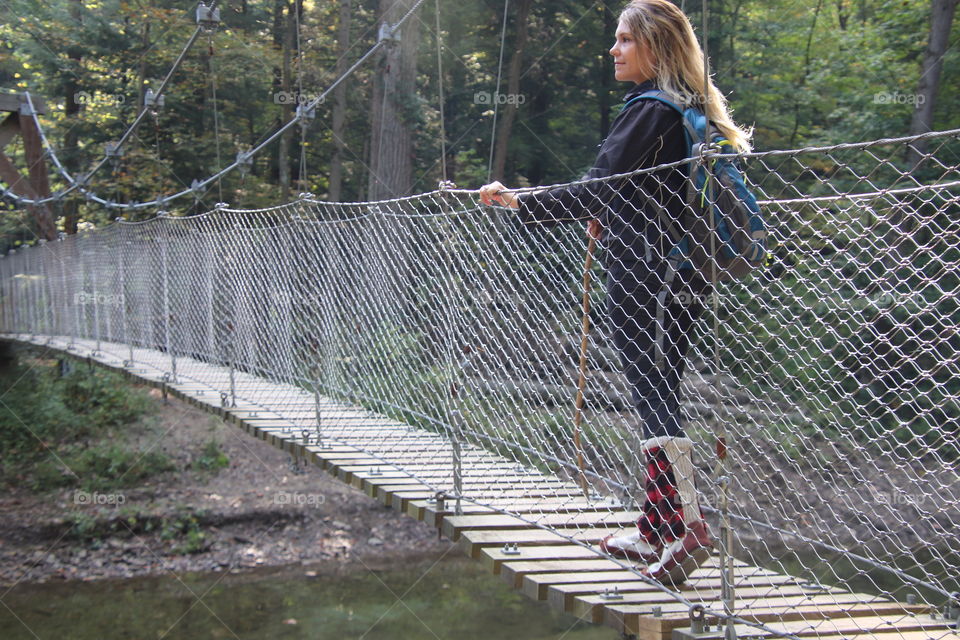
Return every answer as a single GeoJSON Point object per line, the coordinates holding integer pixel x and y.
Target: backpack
{"type": "Point", "coordinates": [734, 242]}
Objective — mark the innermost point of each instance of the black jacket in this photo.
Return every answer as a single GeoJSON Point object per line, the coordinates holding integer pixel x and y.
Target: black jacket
{"type": "Point", "coordinates": [645, 134]}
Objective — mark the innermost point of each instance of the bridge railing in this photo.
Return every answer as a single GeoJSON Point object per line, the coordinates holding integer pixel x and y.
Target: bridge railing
{"type": "Point", "coordinates": [831, 375]}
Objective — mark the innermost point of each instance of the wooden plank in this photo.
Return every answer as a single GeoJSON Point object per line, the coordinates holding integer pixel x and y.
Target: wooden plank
{"type": "Point", "coordinates": [474, 540]}
{"type": "Point", "coordinates": [561, 596]}
{"type": "Point", "coordinates": [428, 512]}
{"type": "Point", "coordinates": [536, 585]}
{"type": "Point", "coordinates": [345, 470]}
{"type": "Point", "coordinates": [454, 525]}
{"type": "Point", "coordinates": [513, 572]}
{"type": "Point", "coordinates": [785, 603]}
{"type": "Point", "coordinates": [488, 491]}
{"type": "Point", "coordinates": [400, 499]}
{"type": "Point", "coordinates": [495, 557]}
{"type": "Point", "coordinates": [357, 474]}
{"type": "Point", "coordinates": [648, 627]}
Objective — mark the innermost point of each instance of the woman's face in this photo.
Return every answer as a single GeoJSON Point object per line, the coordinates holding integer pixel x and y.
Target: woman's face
{"type": "Point", "coordinates": [632, 59]}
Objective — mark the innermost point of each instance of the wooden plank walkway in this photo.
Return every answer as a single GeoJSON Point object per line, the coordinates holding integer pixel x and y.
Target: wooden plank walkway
{"type": "Point", "coordinates": [535, 530]}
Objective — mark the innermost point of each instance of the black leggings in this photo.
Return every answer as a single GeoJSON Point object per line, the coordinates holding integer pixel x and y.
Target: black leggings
{"type": "Point", "coordinates": [632, 303]}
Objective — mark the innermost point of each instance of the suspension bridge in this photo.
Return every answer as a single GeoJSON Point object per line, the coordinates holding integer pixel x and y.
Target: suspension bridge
{"type": "Point", "coordinates": [425, 349]}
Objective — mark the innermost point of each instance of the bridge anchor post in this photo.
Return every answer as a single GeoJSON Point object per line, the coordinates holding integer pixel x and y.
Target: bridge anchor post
{"type": "Point", "coordinates": [457, 468]}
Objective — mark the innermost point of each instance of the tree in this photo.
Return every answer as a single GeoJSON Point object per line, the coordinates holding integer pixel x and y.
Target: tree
{"type": "Point", "coordinates": [339, 103]}
{"type": "Point", "coordinates": [395, 107]}
{"type": "Point", "coordinates": [511, 105]}
{"type": "Point", "coordinates": [941, 19]}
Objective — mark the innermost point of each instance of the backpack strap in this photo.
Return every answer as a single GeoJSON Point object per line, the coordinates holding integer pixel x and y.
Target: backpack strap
{"type": "Point", "coordinates": [692, 138]}
{"type": "Point", "coordinates": [656, 94]}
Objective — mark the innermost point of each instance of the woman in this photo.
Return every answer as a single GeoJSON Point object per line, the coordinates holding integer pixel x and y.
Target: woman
{"type": "Point", "coordinates": [655, 49]}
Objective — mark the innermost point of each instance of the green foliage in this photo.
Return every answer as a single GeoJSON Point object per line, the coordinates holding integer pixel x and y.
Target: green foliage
{"type": "Point", "coordinates": [46, 421]}
{"type": "Point", "coordinates": [41, 409]}
{"type": "Point", "coordinates": [212, 458]}
{"type": "Point", "coordinates": [185, 531]}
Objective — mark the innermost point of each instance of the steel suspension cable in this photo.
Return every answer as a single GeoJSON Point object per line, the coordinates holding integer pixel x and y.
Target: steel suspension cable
{"type": "Point", "coordinates": [493, 133]}
{"type": "Point", "coordinates": [216, 114]}
{"type": "Point", "coordinates": [443, 126]}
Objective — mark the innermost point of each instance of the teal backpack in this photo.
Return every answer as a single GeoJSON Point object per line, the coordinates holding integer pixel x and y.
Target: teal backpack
{"type": "Point", "coordinates": [734, 242]}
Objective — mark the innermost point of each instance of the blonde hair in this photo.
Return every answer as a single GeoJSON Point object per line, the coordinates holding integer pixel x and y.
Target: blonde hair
{"type": "Point", "coordinates": [678, 63]}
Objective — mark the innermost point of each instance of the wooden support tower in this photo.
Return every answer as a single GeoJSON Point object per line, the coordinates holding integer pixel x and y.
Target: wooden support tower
{"type": "Point", "coordinates": [36, 185]}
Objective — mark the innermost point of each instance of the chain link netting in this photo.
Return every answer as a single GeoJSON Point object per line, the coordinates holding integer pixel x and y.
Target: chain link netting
{"type": "Point", "coordinates": [830, 375]}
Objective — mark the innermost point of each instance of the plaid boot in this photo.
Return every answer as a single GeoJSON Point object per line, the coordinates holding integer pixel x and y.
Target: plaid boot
{"type": "Point", "coordinates": [661, 523]}
{"type": "Point", "coordinates": [672, 519]}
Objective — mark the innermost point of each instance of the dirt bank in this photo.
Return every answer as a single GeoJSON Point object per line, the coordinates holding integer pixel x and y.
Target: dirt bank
{"type": "Point", "coordinates": [257, 511]}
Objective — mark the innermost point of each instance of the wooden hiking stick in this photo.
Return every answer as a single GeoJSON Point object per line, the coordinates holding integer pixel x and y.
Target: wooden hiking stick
{"type": "Point", "coordinates": [581, 383]}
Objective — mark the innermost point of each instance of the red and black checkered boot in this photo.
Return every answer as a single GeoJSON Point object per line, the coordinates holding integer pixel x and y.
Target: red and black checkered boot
{"type": "Point", "coordinates": [661, 522]}
{"type": "Point", "coordinates": [672, 515]}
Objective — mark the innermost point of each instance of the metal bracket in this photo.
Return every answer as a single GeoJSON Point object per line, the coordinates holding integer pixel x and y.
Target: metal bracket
{"type": "Point", "coordinates": [952, 610]}
{"type": "Point", "coordinates": [698, 625]}
{"type": "Point", "coordinates": [153, 100]}
{"type": "Point", "coordinates": [208, 18]}
{"type": "Point", "coordinates": [294, 465]}
{"type": "Point", "coordinates": [244, 164]}
{"type": "Point", "coordinates": [612, 594]}
{"type": "Point", "coordinates": [306, 113]}
{"type": "Point", "coordinates": [388, 32]}
{"type": "Point", "coordinates": [510, 549]}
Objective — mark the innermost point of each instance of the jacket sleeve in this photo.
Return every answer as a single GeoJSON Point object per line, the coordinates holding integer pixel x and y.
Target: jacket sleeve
{"type": "Point", "coordinates": [638, 138]}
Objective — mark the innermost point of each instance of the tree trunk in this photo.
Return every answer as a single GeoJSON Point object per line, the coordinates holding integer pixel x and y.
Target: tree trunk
{"type": "Point", "coordinates": [843, 17]}
{"type": "Point", "coordinates": [394, 97]}
{"type": "Point", "coordinates": [606, 74]}
{"type": "Point", "coordinates": [510, 106]}
{"type": "Point", "coordinates": [142, 72]}
{"type": "Point", "coordinates": [39, 180]}
{"type": "Point", "coordinates": [807, 59]}
{"type": "Point", "coordinates": [941, 19]}
{"type": "Point", "coordinates": [339, 104]}
{"type": "Point", "coordinates": [287, 105]}
{"type": "Point", "coordinates": [71, 108]}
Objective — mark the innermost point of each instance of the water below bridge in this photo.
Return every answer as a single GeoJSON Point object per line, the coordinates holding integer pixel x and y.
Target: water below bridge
{"type": "Point", "coordinates": [446, 597]}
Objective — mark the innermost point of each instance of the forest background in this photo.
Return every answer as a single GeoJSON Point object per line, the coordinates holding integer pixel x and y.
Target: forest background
{"type": "Point", "coordinates": [801, 72]}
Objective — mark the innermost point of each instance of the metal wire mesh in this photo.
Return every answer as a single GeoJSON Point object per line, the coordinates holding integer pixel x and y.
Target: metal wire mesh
{"type": "Point", "coordinates": [831, 374]}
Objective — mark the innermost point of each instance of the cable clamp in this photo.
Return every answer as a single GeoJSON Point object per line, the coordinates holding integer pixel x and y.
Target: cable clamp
{"type": "Point", "coordinates": [208, 17]}
{"type": "Point", "coordinates": [388, 32]}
